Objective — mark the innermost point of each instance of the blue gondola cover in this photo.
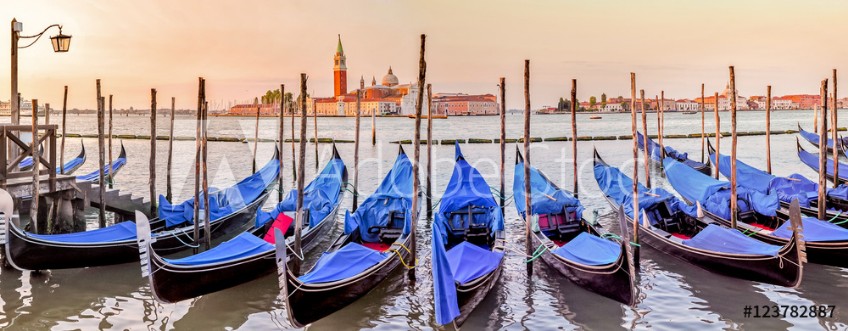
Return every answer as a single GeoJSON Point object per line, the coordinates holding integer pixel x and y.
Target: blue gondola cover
{"type": "Point", "coordinates": [619, 187]}
{"type": "Point", "coordinates": [348, 261]}
{"type": "Point", "coordinates": [812, 161]}
{"type": "Point", "coordinates": [714, 194]}
{"type": "Point", "coordinates": [589, 250]}
{"type": "Point", "coordinates": [107, 169]}
{"type": "Point", "coordinates": [719, 239]}
{"type": "Point", "coordinates": [117, 232]}
{"type": "Point", "coordinates": [814, 230]}
{"type": "Point", "coordinates": [545, 197]}
{"type": "Point", "coordinates": [447, 307]}
{"type": "Point", "coordinates": [393, 195]}
{"type": "Point", "coordinates": [813, 138]}
{"type": "Point", "coordinates": [243, 245]}
{"type": "Point", "coordinates": [222, 202]}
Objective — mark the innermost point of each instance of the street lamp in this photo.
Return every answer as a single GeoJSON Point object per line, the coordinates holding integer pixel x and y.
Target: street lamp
{"type": "Point", "coordinates": [61, 44]}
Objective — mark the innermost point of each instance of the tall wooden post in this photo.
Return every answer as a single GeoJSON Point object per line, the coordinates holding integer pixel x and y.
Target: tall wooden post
{"type": "Point", "coordinates": [207, 233]}
{"type": "Point", "coordinates": [36, 165]}
{"type": "Point", "coordinates": [502, 145]}
{"type": "Point", "coordinates": [152, 181]}
{"type": "Point", "coordinates": [356, 150]}
{"type": "Point", "coordinates": [315, 133]}
{"type": "Point", "coordinates": [109, 145]}
{"type": "Point", "coordinates": [47, 113]}
{"type": "Point", "coordinates": [768, 129]}
{"type": "Point", "coordinates": [703, 133]}
{"type": "Point", "coordinates": [633, 129]}
{"type": "Point", "coordinates": [429, 192]}
{"type": "Point", "coordinates": [294, 153]}
{"type": "Point", "coordinates": [374, 127]}
{"type": "Point", "coordinates": [837, 143]}
{"type": "Point", "coordinates": [816, 120]}
{"type": "Point", "coordinates": [256, 136]}
{"type": "Point", "coordinates": [281, 141]}
{"type": "Point", "coordinates": [734, 209]}
{"type": "Point", "coordinates": [64, 124]}
{"type": "Point", "coordinates": [823, 153]}
{"type": "Point", "coordinates": [662, 123]}
{"type": "Point", "coordinates": [645, 140]}
{"type": "Point", "coordinates": [528, 206]}
{"type": "Point", "coordinates": [416, 180]}
{"type": "Point", "coordinates": [574, 132]}
{"type": "Point", "coordinates": [170, 151]}
{"type": "Point", "coordinates": [201, 96]}
{"type": "Point", "coordinates": [717, 134]}
{"type": "Point", "coordinates": [101, 157]}
{"type": "Point", "coordinates": [301, 168]}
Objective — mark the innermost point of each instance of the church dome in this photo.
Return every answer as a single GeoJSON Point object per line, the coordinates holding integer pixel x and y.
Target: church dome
{"type": "Point", "coordinates": [389, 79]}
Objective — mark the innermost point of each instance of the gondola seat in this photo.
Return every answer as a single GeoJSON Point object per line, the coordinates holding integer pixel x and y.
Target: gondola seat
{"type": "Point", "coordinates": [394, 227]}
{"type": "Point", "coordinates": [562, 224]}
{"type": "Point", "coordinates": [469, 225]}
{"type": "Point", "coordinates": [282, 222]}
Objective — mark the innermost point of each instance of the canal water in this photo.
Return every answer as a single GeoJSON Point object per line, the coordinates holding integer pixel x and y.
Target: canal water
{"type": "Point", "coordinates": [673, 294]}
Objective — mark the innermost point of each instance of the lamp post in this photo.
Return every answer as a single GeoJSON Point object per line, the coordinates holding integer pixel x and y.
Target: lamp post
{"type": "Point", "coordinates": [61, 44]}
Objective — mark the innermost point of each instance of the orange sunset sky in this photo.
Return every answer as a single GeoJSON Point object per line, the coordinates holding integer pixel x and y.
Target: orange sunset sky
{"type": "Point", "coordinates": [244, 48]}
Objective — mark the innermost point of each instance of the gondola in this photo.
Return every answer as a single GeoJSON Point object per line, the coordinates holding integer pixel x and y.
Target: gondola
{"type": "Point", "coordinates": [796, 186]}
{"type": "Point", "coordinates": [112, 168]}
{"type": "Point", "coordinates": [249, 255]}
{"type": "Point", "coordinates": [26, 164]}
{"type": "Point", "coordinates": [580, 250]}
{"type": "Point", "coordinates": [813, 138]}
{"type": "Point", "coordinates": [233, 208]}
{"type": "Point", "coordinates": [468, 244]}
{"type": "Point", "coordinates": [656, 157]}
{"type": "Point", "coordinates": [374, 243]}
{"type": "Point", "coordinates": [73, 164]}
{"type": "Point", "coordinates": [757, 215]}
{"type": "Point", "coordinates": [670, 226]}
{"type": "Point", "coordinates": [812, 161]}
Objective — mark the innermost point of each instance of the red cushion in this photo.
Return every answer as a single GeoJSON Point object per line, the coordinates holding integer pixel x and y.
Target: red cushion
{"type": "Point", "coordinates": [762, 226]}
{"type": "Point", "coordinates": [680, 235]}
{"type": "Point", "coordinates": [379, 246]}
{"type": "Point", "coordinates": [282, 222]}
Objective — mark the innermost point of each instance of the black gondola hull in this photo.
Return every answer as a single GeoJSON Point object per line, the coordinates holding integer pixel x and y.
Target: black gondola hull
{"type": "Point", "coordinates": [612, 281]}
{"type": "Point", "coordinates": [171, 283]}
{"type": "Point", "coordinates": [28, 253]}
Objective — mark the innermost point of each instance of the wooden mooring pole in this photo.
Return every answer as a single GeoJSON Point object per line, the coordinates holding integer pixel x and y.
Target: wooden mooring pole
{"type": "Point", "coordinates": [703, 119]}
{"type": "Point", "coordinates": [662, 123]}
{"type": "Point", "coordinates": [502, 177]}
{"type": "Point", "coordinates": [64, 124]}
{"type": "Point", "coordinates": [201, 95]}
{"type": "Point", "coordinates": [574, 132]}
{"type": "Point", "coordinates": [101, 157]}
{"type": "Point", "coordinates": [734, 209]}
{"type": "Point", "coordinates": [281, 141]}
{"type": "Point", "coordinates": [416, 178]}
{"type": "Point", "coordinates": [168, 195]}
{"type": "Point", "coordinates": [528, 214]}
{"type": "Point", "coordinates": [294, 153]}
{"type": "Point", "coordinates": [256, 136]}
{"type": "Point", "coordinates": [837, 143]}
{"type": "Point", "coordinates": [633, 129]}
{"type": "Point", "coordinates": [301, 168]}
{"type": "Point", "coordinates": [207, 229]}
{"type": "Point", "coordinates": [356, 151]}
{"type": "Point", "coordinates": [768, 129]}
{"type": "Point", "coordinates": [152, 165]}
{"type": "Point", "coordinates": [823, 154]}
{"type": "Point", "coordinates": [717, 134]}
{"type": "Point", "coordinates": [374, 127]}
{"type": "Point", "coordinates": [429, 189]}
{"type": "Point", "coordinates": [36, 165]}
{"type": "Point", "coordinates": [645, 140]}
{"type": "Point", "coordinates": [109, 145]}
{"type": "Point", "coordinates": [315, 132]}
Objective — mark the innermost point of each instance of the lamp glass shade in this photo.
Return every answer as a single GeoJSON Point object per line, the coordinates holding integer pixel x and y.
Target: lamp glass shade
{"type": "Point", "coordinates": [61, 43]}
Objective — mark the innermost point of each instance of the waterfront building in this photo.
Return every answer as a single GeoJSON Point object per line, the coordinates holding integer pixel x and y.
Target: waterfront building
{"type": "Point", "coordinates": [458, 104]}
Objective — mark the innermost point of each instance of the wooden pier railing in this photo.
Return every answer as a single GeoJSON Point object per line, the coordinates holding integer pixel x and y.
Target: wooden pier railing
{"type": "Point", "coordinates": [10, 138]}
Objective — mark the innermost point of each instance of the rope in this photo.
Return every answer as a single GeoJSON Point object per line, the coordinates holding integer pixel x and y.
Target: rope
{"type": "Point", "coordinates": [400, 257]}
{"type": "Point", "coordinates": [542, 248]}
{"type": "Point", "coordinates": [177, 235]}
{"type": "Point", "coordinates": [835, 217]}
{"type": "Point", "coordinates": [610, 235]}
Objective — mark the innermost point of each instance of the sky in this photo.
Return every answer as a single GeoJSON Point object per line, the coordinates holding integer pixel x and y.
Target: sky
{"type": "Point", "coordinates": [244, 48]}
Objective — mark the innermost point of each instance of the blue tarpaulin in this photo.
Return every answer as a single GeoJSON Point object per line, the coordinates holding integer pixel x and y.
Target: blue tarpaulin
{"type": "Point", "coordinates": [654, 151]}
{"type": "Point", "coordinates": [812, 161]}
{"type": "Point", "coordinates": [619, 187]}
{"type": "Point", "coordinates": [73, 163]}
{"type": "Point", "coordinates": [546, 197]}
{"type": "Point", "coordinates": [469, 262]}
{"type": "Point", "coordinates": [719, 239]}
{"type": "Point", "coordinates": [111, 168]}
{"type": "Point", "coordinates": [25, 163]}
{"type": "Point", "coordinates": [319, 197]}
{"type": "Point", "coordinates": [813, 138]}
{"type": "Point", "coordinates": [814, 230]}
{"type": "Point", "coordinates": [590, 250]}
{"type": "Point", "coordinates": [713, 194]}
{"type": "Point", "coordinates": [243, 245]}
{"type": "Point", "coordinates": [796, 186]}
{"type": "Point", "coordinates": [222, 202]}
{"type": "Point", "coordinates": [346, 262]}
{"type": "Point", "coordinates": [467, 188]}
{"type": "Point", "coordinates": [117, 232]}
{"type": "Point", "coordinates": [447, 307]}
{"type": "Point", "coordinates": [393, 195]}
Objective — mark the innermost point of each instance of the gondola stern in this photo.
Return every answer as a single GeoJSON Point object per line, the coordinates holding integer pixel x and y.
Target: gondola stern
{"type": "Point", "coordinates": [518, 157]}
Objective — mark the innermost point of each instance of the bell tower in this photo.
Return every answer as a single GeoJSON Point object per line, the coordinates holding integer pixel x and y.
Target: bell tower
{"type": "Point", "coordinates": [339, 71]}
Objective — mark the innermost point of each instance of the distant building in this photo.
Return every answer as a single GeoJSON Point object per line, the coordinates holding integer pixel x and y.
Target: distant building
{"type": "Point", "coordinates": [457, 104]}
{"type": "Point", "coordinates": [250, 110]}
{"type": "Point", "coordinates": [803, 101]}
